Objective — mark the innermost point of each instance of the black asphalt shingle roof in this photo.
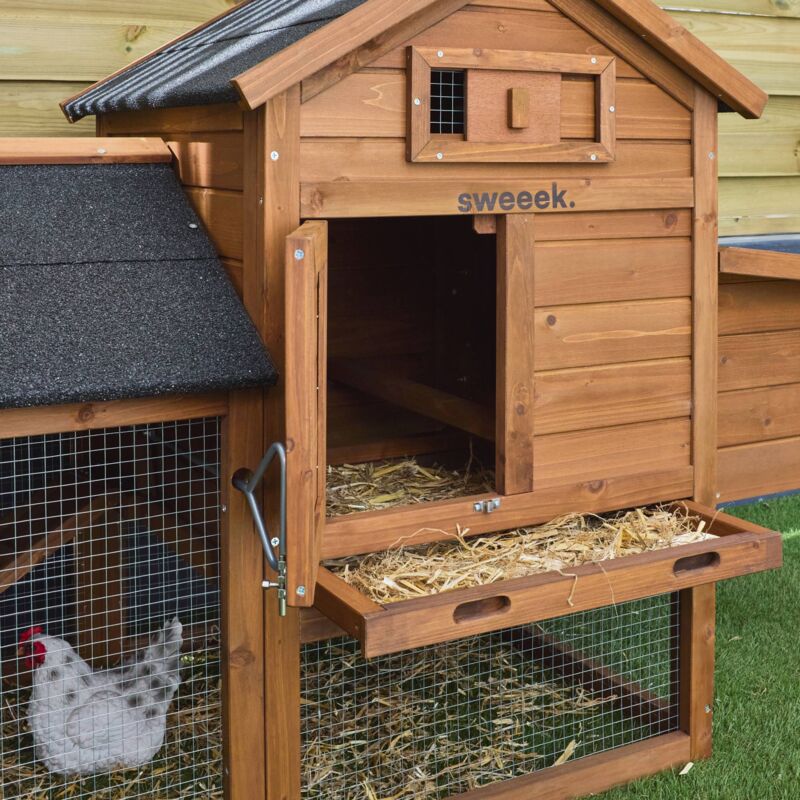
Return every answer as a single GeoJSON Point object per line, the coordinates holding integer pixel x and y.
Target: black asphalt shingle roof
{"type": "Point", "coordinates": [198, 69]}
{"type": "Point", "coordinates": [110, 288]}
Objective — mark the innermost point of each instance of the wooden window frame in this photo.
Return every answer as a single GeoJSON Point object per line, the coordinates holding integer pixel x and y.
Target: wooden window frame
{"type": "Point", "coordinates": [424, 147]}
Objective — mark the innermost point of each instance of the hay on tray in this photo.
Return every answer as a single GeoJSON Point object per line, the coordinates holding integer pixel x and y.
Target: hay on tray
{"type": "Point", "coordinates": [453, 717]}
{"type": "Point", "coordinates": [379, 485]}
{"type": "Point", "coordinates": [560, 545]}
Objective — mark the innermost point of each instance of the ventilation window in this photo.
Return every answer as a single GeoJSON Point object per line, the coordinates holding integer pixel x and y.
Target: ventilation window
{"type": "Point", "coordinates": [447, 101]}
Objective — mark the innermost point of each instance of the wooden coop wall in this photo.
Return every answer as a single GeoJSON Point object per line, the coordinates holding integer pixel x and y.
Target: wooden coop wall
{"type": "Point", "coordinates": [608, 403]}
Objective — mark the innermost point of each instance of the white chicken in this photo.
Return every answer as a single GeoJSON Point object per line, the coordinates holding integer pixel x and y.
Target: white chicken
{"type": "Point", "coordinates": [86, 721]}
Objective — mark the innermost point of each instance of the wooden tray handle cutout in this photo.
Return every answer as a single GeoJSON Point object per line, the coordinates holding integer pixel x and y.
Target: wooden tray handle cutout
{"type": "Point", "coordinates": [485, 607]}
{"type": "Point", "coordinates": [694, 563]}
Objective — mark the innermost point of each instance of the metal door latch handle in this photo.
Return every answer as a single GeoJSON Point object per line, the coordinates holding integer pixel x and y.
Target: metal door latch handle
{"type": "Point", "coordinates": [247, 482]}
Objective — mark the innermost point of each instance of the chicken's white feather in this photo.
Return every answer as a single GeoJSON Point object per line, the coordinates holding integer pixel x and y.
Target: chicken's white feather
{"type": "Point", "coordinates": [86, 721]}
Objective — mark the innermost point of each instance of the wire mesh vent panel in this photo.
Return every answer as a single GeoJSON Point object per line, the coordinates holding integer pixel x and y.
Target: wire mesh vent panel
{"type": "Point", "coordinates": [447, 101]}
{"type": "Point", "coordinates": [109, 543]}
{"type": "Point", "coordinates": [439, 720]}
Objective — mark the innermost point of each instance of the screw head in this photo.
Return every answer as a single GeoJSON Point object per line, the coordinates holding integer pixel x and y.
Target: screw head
{"type": "Point", "coordinates": [594, 60]}
{"type": "Point", "coordinates": [593, 156]}
{"type": "Point", "coordinates": [712, 155]}
{"type": "Point", "coordinates": [223, 508]}
{"type": "Point", "coordinates": [300, 591]}
{"type": "Point", "coordinates": [440, 53]}
{"type": "Point", "coordinates": [274, 541]}
{"type": "Point", "coordinates": [274, 155]}
{"type": "Point", "coordinates": [612, 109]}
{"type": "Point", "coordinates": [102, 151]}
{"type": "Point", "coordinates": [440, 156]}
{"type": "Point", "coordinates": [417, 101]}
{"type": "Point", "coordinates": [299, 255]}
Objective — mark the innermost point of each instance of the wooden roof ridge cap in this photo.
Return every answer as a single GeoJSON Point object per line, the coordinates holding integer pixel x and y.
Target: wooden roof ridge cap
{"type": "Point", "coordinates": [93, 150]}
{"type": "Point", "coordinates": [146, 57]}
{"type": "Point", "coordinates": [690, 54]}
{"type": "Point", "coordinates": [339, 37]}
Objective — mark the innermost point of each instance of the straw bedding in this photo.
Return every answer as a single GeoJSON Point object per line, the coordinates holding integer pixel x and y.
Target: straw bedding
{"type": "Point", "coordinates": [462, 561]}
{"type": "Point", "coordinates": [444, 719]}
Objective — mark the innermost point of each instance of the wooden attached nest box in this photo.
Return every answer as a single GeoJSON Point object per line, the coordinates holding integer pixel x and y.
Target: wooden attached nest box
{"type": "Point", "coordinates": [479, 243]}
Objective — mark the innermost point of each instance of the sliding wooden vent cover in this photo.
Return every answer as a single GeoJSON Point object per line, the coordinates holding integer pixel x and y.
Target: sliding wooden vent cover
{"type": "Point", "coordinates": [503, 105]}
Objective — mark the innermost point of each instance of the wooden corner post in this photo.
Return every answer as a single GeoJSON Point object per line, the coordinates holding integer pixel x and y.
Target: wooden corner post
{"type": "Point", "coordinates": [698, 605]}
{"type": "Point", "coordinates": [278, 125]}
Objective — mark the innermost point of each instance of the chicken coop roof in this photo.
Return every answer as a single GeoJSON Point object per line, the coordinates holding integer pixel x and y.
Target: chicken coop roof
{"type": "Point", "coordinates": [261, 47]}
{"type": "Point", "coordinates": [197, 69]}
{"type": "Point", "coordinates": [110, 288]}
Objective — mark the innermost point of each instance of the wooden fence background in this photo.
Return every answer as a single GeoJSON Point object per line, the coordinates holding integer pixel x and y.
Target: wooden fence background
{"type": "Point", "coordinates": [49, 49]}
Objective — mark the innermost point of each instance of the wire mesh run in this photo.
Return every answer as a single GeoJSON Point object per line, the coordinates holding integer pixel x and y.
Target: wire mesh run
{"type": "Point", "coordinates": [447, 101]}
{"type": "Point", "coordinates": [433, 722]}
{"type": "Point", "coordinates": [110, 613]}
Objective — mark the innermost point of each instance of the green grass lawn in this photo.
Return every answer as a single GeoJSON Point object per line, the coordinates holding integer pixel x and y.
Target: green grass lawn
{"type": "Point", "coordinates": [757, 707]}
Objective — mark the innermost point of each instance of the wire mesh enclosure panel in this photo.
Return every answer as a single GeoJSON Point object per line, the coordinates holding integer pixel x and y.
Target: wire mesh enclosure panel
{"type": "Point", "coordinates": [110, 613]}
{"type": "Point", "coordinates": [447, 101]}
{"type": "Point", "coordinates": [433, 722]}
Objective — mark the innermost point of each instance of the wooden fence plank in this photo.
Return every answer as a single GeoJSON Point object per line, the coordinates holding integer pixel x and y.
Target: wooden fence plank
{"type": "Point", "coordinates": [751, 470]}
{"type": "Point", "coordinates": [759, 205]}
{"type": "Point", "coordinates": [30, 108]}
{"type": "Point", "coordinates": [758, 306]}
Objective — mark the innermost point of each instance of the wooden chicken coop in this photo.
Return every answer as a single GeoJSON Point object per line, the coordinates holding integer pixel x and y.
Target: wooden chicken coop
{"type": "Point", "coordinates": [478, 241]}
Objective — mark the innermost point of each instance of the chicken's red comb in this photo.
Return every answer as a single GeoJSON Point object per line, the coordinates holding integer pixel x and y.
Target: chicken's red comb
{"type": "Point", "coordinates": [30, 633]}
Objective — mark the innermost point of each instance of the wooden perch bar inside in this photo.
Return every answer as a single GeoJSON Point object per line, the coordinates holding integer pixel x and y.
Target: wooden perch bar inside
{"type": "Point", "coordinates": [759, 263]}
{"type": "Point", "coordinates": [455, 411]}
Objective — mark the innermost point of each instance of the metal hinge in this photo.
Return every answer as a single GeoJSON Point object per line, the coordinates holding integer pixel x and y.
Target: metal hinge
{"type": "Point", "coordinates": [246, 482]}
{"type": "Point", "coordinates": [487, 506]}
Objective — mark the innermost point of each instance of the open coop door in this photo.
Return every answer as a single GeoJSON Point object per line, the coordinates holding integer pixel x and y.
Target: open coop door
{"type": "Point", "coordinates": [305, 392]}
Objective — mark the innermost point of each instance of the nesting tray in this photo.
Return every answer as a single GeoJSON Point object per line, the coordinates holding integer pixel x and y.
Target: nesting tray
{"type": "Point", "coordinates": [713, 546]}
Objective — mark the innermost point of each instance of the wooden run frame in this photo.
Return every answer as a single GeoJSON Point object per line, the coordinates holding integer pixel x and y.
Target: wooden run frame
{"type": "Point", "coordinates": [423, 146]}
{"type": "Point", "coordinates": [241, 559]}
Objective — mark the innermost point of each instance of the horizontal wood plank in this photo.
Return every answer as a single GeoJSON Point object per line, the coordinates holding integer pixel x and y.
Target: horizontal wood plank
{"type": "Point", "coordinates": [332, 159]}
{"type": "Point", "coordinates": [209, 160]}
{"type": "Point", "coordinates": [30, 108]}
{"type": "Point", "coordinates": [749, 360]}
{"type": "Point", "coordinates": [437, 198]}
{"type": "Point", "coordinates": [595, 397]}
{"type": "Point", "coordinates": [595, 455]}
{"type": "Point", "coordinates": [614, 225]}
{"type": "Point", "coordinates": [758, 415]}
{"type": "Point", "coordinates": [221, 212]}
{"type": "Point", "coordinates": [75, 150]}
{"type": "Point", "coordinates": [758, 306]}
{"type": "Point", "coordinates": [371, 531]}
{"type": "Point", "coordinates": [608, 333]}
{"type": "Point", "coordinates": [759, 263]}
{"type": "Point", "coordinates": [593, 773]}
{"type": "Point", "coordinates": [88, 416]}
{"type": "Point", "coordinates": [759, 205]}
{"type": "Point", "coordinates": [762, 468]}
{"type": "Point", "coordinates": [372, 103]}
{"type": "Point", "coordinates": [507, 29]}
{"type": "Point", "coordinates": [618, 269]}
{"type": "Point", "coordinates": [766, 146]}
{"type": "Point", "coordinates": [185, 119]}
{"type": "Point", "coordinates": [762, 48]}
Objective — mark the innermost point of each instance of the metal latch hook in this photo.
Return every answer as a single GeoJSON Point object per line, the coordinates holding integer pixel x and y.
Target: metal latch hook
{"type": "Point", "coordinates": [247, 482]}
